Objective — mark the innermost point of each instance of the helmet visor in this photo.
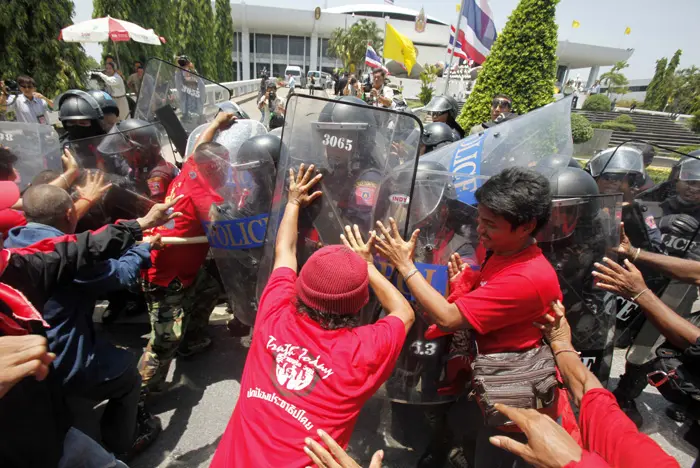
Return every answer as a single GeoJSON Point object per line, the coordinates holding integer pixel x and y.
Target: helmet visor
{"type": "Point", "coordinates": [623, 160]}
{"type": "Point", "coordinates": [562, 221]}
{"type": "Point", "coordinates": [690, 170]}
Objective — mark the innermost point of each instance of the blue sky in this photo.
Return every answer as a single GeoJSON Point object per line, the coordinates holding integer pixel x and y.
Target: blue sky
{"type": "Point", "coordinates": [658, 28]}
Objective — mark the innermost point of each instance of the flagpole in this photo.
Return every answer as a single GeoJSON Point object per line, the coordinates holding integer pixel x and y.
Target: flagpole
{"type": "Point", "coordinates": [454, 44]}
{"type": "Point", "coordinates": [386, 18]}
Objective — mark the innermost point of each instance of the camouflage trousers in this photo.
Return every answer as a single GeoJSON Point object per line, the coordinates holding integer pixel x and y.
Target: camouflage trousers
{"type": "Point", "coordinates": [178, 315]}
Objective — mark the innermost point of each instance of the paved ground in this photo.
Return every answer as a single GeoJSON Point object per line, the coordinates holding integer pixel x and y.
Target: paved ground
{"type": "Point", "coordinates": [204, 390]}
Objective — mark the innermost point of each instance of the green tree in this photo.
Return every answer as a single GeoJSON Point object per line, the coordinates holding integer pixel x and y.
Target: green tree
{"type": "Point", "coordinates": [670, 78]}
{"type": "Point", "coordinates": [522, 63]}
{"type": "Point", "coordinates": [30, 46]}
{"type": "Point", "coordinates": [653, 98]}
{"type": "Point", "coordinates": [615, 81]}
{"type": "Point", "coordinates": [194, 35]}
{"type": "Point", "coordinates": [685, 95]}
{"type": "Point", "coordinates": [427, 78]}
{"type": "Point", "coordinates": [223, 35]}
{"type": "Point", "coordinates": [350, 45]}
{"type": "Point", "coordinates": [152, 14]}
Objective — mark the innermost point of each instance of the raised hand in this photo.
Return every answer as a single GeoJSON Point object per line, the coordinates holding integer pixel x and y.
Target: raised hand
{"type": "Point", "coordinates": [455, 266]}
{"type": "Point", "coordinates": [337, 457]}
{"type": "Point", "coordinates": [627, 282]}
{"type": "Point", "coordinates": [556, 329]}
{"type": "Point", "coordinates": [23, 356]}
{"type": "Point", "coordinates": [94, 187]}
{"type": "Point", "coordinates": [392, 246]}
{"type": "Point", "coordinates": [626, 249]}
{"type": "Point", "coordinates": [69, 162]}
{"type": "Point", "coordinates": [300, 185]}
{"type": "Point", "coordinates": [159, 214]}
{"type": "Point", "coordinates": [225, 119]}
{"type": "Point", "coordinates": [353, 240]}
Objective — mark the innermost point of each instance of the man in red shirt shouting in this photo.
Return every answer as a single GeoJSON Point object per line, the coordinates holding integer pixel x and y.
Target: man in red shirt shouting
{"type": "Point", "coordinates": [310, 367]}
{"type": "Point", "coordinates": [515, 286]}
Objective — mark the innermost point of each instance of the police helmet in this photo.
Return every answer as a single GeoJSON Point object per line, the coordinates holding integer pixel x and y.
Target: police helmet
{"type": "Point", "coordinates": [443, 103]}
{"type": "Point", "coordinates": [572, 191]}
{"type": "Point", "coordinates": [437, 134]}
{"type": "Point", "coordinates": [75, 104]}
{"type": "Point", "coordinates": [131, 134]}
{"type": "Point", "coordinates": [233, 108]}
{"type": "Point", "coordinates": [260, 148]}
{"type": "Point", "coordinates": [431, 190]}
{"type": "Point", "coordinates": [106, 102]}
{"type": "Point", "coordinates": [622, 160]}
{"type": "Point", "coordinates": [686, 175]}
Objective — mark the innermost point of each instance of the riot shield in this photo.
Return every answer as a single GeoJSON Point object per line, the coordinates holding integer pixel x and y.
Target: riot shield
{"type": "Point", "coordinates": [193, 96]}
{"type": "Point", "coordinates": [236, 225]}
{"type": "Point", "coordinates": [36, 146]}
{"type": "Point", "coordinates": [135, 162]}
{"type": "Point", "coordinates": [231, 139]}
{"type": "Point", "coordinates": [355, 153]}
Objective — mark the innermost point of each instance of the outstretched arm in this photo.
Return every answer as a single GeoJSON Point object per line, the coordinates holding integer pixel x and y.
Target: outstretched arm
{"type": "Point", "coordinates": [298, 197]}
{"type": "Point", "coordinates": [222, 120]}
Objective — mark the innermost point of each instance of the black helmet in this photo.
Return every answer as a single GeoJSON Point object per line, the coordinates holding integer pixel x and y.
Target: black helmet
{"type": "Point", "coordinates": [132, 134]}
{"type": "Point", "coordinates": [107, 104]}
{"type": "Point", "coordinates": [332, 112]}
{"type": "Point", "coordinates": [259, 148]}
{"type": "Point", "coordinates": [436, 134]}
{"type": "Point", "coordinates": [443, 103]}
{"type": "Point", "coordinates": [233, 108]}
{"type": "Point", "coordinates": [75, 104]}
{"type": "Point", "coordinates": [551, 164]}
{"type": "Point", "coordinates": [572, 191]}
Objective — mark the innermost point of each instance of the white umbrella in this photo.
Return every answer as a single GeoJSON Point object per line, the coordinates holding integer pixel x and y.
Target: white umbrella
{"type": "Point", "coordinates": [108, 28]}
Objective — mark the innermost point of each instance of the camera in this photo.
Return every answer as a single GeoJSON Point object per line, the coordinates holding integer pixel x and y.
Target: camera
{"type": "Point", "coordinates": [367, 86]}
{"type": "Point", "coordinates": [183, 60]}
{"type": "Point", "coordinates": [11, 88]}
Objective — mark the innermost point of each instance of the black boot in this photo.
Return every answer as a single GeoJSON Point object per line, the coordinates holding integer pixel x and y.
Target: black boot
{"type": "Point", "coordinates": [632, 384]}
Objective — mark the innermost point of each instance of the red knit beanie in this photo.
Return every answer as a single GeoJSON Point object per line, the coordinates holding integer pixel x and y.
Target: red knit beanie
{"type": "Point", "coordinates": [334, 280]}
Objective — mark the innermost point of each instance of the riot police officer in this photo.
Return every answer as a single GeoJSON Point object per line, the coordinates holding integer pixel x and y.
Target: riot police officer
{"type": "Point", "coordinates": [445, 109]}
{"type": "Point", "coordinates": [674, 206]}
{"type": "Point", "coordinates": [109, 107]}
{"type": "Point", "coordinates": [618, 170]}
{"type": "Point", "coordinates": [438, 134]}
{"type": "Point", "coordinates": [80, 115]}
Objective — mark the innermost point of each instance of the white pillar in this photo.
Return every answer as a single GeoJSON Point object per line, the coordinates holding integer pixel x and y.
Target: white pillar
{"type": "Point", "coordinates": [245, 51]}
{"type": "Point", "coordinates": [287, 51]}
{"type": "Point", "coordinates": [271, 74]}
{"type": "Point", "coordinates": [314, 51]}
{"type": "Point", "coordinates": [593, 76]}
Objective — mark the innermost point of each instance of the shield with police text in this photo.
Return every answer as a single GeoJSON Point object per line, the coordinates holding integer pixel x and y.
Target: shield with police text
{"type": "Point", "coordinates": [37, 149]}
{"type": "Point", "coordinates": [136, 161]}
{"type": "Point", "coordinates": [243, 177]}
{"type": "Point", "coordinates": [193, 97]}
{"type": "Point", "coordinates": [433, 366]}
{"type": "Point", "coordinates": [665, 219]}
{"type": "Point", "coordinates": [355, 147]}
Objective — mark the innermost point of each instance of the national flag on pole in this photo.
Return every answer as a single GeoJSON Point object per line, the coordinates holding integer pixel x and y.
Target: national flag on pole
{"type": "Point", "coordinates": [459, 52]}
{"type": "Point", "coordinates": [372, 59]}
{"type": "Point", "coordinates": [628, 31]}
{"type": "Point", "coordinates": [575, 24]}
{"type": "Point", "coordinates": [399, 48]}
{"type": "Point", "coordinates": [477, 30]}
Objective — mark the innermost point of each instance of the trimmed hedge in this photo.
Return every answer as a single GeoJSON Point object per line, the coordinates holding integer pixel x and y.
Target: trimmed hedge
{"type": "Point", "coordinates": [616, 126]}
{"type": "Point", "coordinates": [658, 174]}
{"type": "Point", "coordinates": [597, 102]}
{"type": "Point", "coordinates": [581, 128]}
{"type": "Point", "coordinates": [624, 118]}
{"type": "Point", "coordinates": [687, 149]}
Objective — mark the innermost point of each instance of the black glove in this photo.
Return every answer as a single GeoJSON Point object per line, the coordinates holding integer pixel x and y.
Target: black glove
{"type": "Point", "coordinates": [681, 225]}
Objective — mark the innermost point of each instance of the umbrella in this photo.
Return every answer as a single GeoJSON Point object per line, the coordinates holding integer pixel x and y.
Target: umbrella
{"type": "Point", "coordinates": [108, 28]}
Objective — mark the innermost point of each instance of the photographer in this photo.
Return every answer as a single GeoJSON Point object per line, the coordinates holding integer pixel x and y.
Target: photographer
{"type": "Point", "coordinates": [116, 88]}
{"type": "Point", "coordinates": [269, 104]}
{"type": "Point", "coordinates": [353, 87]}
{"type": "Point", "coordinates": [29, 106]}
{"type": "Point", "coordinates": [380, 95]}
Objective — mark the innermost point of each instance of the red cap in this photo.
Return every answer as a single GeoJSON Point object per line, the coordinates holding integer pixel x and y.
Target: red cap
{"type": "Point", "coordinates": [9, 194]}
{"type": "Point", "coordinates": [335, 280]}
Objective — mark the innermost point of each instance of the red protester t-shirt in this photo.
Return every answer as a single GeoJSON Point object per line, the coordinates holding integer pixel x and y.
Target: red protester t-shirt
{"type": "Point", "coordinates": [183, 261]}
{"type": "Point", "coordinates": [299, 378]}
{"type": "Point", "coordinates": [608, 432]}
{"type": "Point", "coordinates": [10, 218]}
{"type": "Point", "coordinates": [510, 294]}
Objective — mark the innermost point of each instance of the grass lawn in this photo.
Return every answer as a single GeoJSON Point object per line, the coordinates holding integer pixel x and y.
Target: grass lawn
{"type": "Point", "coordinates": [413, 103]}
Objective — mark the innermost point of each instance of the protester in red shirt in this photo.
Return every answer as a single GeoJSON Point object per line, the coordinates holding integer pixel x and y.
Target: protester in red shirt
{"type": "Point", "coordinates": [310, 367]}
{"type": "Point", "coordinates": [180, 294]}
{"type": "Point", "coordinates": [515, 286]}
{"type": "Point", "coordinates": [606, 431]}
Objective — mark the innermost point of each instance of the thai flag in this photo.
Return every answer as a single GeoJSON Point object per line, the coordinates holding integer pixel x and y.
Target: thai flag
{"type": "Point", "coordinates": [477, 31]}
{"type": "Point", "coordinates": [372, 59]}
{"type": "Point", "coordinates": [459, 52]}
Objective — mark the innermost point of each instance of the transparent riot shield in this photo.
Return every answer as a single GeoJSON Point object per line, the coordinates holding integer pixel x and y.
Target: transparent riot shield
{"type": "Point", "coordinates": [231, 139]}
{"type": "Point", "coordinates": [236, 224]}
{"type": "Point", "coordinates": [580, 232]}
{"type": "Point", "coordinates": [349, 144]}
{"type": "Point", "coordinates": [193, 97]}
{"type": "Point", "coordinates": [36, 146]}
{"type": "Point", "coordinates": [137, 162]}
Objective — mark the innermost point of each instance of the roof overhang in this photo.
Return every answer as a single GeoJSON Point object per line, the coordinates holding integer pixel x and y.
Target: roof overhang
{"type": "Point", "coordinates": [576, 55]}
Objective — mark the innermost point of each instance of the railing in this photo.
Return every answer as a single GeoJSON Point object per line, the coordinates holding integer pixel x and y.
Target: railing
{"type": "Point", "coordinates": [239, 88]}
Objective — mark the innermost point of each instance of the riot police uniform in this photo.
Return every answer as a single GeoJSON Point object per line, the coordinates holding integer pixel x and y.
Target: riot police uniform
{"type": "Point", "coordinates": [674, 206]}
{"type": "Point", "coordinates": [110, 109]}
{"type": "Point", "coordinates": [438, 134]}
{"type": "Point", "coordinates": [76, 106]}
{"type": "Point", "coordinates": [445, 104]}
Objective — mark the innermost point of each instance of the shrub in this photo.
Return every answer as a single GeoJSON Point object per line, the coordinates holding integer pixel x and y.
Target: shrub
{"type": "Point", "coordinates": [522, 63]}
{"type": "Point", "coordinates": [597, 102]}
{"type": "Point", "coordinates": [658, 174]}
{"type": "Point", "coordinates": [695, 122]}
{"type": "Point", "coordinates": [686, 149]}
{"type": "Point", "coordinates": [581, 128]}
{"type": "Point", "coordinates": [624, 119]}
{"type": "Point", "coordinates": [616, 126]}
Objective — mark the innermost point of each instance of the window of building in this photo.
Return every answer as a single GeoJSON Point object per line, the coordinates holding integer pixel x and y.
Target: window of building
{"type": "Point", "coordinates": [279, 45]}
{"type": "Point", "coordinates": [278, 70]}
{"type": "Point", "coordinates": [324, 48]}
{"type": "Point", "coordinates": [296, 45]}
{"type": "Point", "coordinates": [307, 40]}
{"type": "Point", "coordinates": [262, 44]}
{"type": "Point", "coordinates": [251, 40]}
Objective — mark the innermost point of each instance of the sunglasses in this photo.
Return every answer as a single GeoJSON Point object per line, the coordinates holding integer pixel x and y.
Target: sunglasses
{"type": "Point", "coordinates": [28, 87]}
{"type": "Point", "coordinates": [501, 103]}
{"type": "Point", "coordinates": [436, 113]}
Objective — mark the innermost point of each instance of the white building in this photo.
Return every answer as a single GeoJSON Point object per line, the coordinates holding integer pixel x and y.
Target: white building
{"type": "Point", "coordinates": [274, 37]}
